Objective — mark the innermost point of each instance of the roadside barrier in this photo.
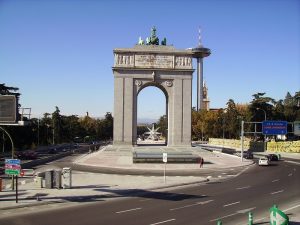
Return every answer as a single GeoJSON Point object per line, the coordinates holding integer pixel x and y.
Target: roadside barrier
{"type": "Point", "coordinates": [250, 218]}
{"type": "Point", "coordinates": [277, 217]}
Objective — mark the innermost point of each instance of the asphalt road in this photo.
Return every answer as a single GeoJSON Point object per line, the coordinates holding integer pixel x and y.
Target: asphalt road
{"type": "Point", "coordinates": [257, 189]}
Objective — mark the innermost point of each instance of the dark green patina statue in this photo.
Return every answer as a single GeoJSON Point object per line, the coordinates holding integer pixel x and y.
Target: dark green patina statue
{"type": "Point", "coordinates": [153, 39]}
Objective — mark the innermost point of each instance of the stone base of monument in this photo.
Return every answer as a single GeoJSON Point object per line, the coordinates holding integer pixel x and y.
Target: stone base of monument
{"type": "Point", "coordinates": [157, 157]}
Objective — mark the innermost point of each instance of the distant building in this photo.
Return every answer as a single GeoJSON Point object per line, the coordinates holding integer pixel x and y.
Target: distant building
{"type": "Point", "coordinates": [206, 100]}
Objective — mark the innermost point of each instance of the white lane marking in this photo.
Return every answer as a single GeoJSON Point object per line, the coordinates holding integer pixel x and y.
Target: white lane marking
{"type": "Point", "coordinates": [197, 203]}
{"type": "Point", "coordinates": [276, 192]}
{"type": "Point", "coordinates": [233, 214]}
{"type": "Point", "coordinates": [243, 211]}
{"type": "Point", "coordinates": [163, 222]}
{"type": "Point", "coordinates": [224, 173]}
{"type": "Point", "coordinates": [290, 174]}
{"type": "Point", "coordinates": [234, 203]}
{"type": "Point", "coordinates": [292, 162]}
{"type": "Point", "coordinates": [240, 188]}
{"type": "Point", "coordinates": [128, 210]}
{"type": "Point", "coordinates": [145, 200]}
{"type": "Point", "coordinates": [219, 176]}
{"type": "Point", "coordinates": [275, 180]}
{"type": "Point", "coordinates": [293, 207]}
{"type": "Point", "coordinates": [259, 219]}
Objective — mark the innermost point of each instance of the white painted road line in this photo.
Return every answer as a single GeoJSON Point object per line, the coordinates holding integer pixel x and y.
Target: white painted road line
{"type": "Point", "coordinates": [240, 188]}
{"type": "Point", "coordinates": [242, 211]}
{"type": "Point", "coordinates": [233, 214]}
{"type": "Point", "coordinates": [128, 210]}
{"type": "Point", "coordinates": [197, 203]}
{"type": "Point", "coordinates": [292, 162]}
{"type": "Point", "coordinates": [166, 221]}
{"type": "Point", "coordinates": [234, 203]}
{"type": "Point", "coordinates": [275, 180]}
{"type": "Point", "coordinates": [276, 192]}
{"type": "Point", "coordinates": [145, 200]}
{"type": "Point", "coordinates": [293, 207]}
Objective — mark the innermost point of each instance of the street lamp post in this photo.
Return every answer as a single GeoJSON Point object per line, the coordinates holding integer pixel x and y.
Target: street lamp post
{"type": "Point", "coordinates": [265, 147]}
{"type": "Point", "coordinates": [223, 123]}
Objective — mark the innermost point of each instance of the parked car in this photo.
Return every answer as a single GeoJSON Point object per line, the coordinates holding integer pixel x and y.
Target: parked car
{"type": "Point", "coordinates": [248, 155]}
{"type": "Point", "coordinates": [263, 162]}
{"type": "Point", "coordinates": [52, 151]}
{"type": "Point", "coordinates": [272, 157]}
{"type": "Point", "coordinates": [26, 155]}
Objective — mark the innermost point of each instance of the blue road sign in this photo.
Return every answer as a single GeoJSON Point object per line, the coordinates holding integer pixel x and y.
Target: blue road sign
{"type": "Point", "coordinates": [12, 161]}
{"type": "Point", "coordinates": [274, 127]}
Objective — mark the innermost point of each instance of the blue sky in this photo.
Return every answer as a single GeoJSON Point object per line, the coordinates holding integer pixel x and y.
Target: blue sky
{"type": "Point", "coordinates": [60, 52]}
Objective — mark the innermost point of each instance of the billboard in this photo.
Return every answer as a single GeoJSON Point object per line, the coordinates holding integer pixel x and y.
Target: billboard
{"type": "Point", "coordinates": [8, 109]}
{"type": "Point", "coordinates": [297, 128]}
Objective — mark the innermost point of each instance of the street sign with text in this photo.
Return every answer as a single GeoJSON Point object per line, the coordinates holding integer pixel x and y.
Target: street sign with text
{"type": "Point", "coordinates": [12, 166]}
{"type": "Point", "coordinates": [274, 127]}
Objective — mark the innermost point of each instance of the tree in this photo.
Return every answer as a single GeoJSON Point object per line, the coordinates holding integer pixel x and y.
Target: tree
{"type": "Point", "coordinates": [162, 123]}
{"type": "Point", "coordinates": [56, 125]}
{"type": "Point", "coordinates": [231, 121]}
{"type": "Point", "coordinates": [260, 102]}
{"type": "Point", "coordinates": [108, 123]}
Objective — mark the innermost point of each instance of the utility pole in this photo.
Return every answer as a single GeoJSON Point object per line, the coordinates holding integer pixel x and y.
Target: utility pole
{"type": "Point", "coordinates": [242, 140]}
{"type": "Point", "coordinates": [265, 136]}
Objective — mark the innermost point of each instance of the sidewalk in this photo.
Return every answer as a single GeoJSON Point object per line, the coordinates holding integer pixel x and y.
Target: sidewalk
{"type": "Point", "coordinates": [88, 187]}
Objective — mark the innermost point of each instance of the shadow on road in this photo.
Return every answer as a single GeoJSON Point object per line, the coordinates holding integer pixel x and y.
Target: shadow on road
{"type": "Point", "coordinates": [152, 194]}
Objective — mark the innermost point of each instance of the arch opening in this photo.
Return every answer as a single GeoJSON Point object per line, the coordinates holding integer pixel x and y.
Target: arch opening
{"type": "Point", "coordinates": [152, 115]}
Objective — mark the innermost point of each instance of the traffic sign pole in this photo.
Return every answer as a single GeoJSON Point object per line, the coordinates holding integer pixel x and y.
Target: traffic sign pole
{"type": "Point", "coordinates": [165, 160]}
{"type": "Point", "coordinates": [16, 188]}
{"type": "Point", "coordinates": [165, 172]}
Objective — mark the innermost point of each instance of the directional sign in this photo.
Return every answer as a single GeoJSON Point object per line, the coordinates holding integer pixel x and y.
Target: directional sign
{"type": "Point", "coordinates": [165, 157]}
{"type": "Point", "coordinates": [277, 217]}
{"type": "Point", "coordinates": [274, 127]}
{"type": "Point", "coordinates": [12, 166]}
{"type": "Point", "coordinates": [12, 161]}
{"type": "Point", "coordinates": [12, 172]}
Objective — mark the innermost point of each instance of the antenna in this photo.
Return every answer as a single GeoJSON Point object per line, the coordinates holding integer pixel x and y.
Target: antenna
{"type": "Point", "coordinates": [199, 37]}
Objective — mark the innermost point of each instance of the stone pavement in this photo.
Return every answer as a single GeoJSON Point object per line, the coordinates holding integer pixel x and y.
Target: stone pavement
{"type": "Point", "coordinates": [88, 187]}
{"type": "Point", "coordinates": [120, 158]}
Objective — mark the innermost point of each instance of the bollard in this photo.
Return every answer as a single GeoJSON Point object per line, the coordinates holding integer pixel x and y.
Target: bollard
{"type": "Point", "coordinates": [0, 184]}
{"type": "Point", "coordinates": [219, 222]}
{"type": "Point", "coordinates": [250, 218]}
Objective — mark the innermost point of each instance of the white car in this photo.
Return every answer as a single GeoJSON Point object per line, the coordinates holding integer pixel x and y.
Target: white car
{"type": "Point", "coordinates": [263, 162]}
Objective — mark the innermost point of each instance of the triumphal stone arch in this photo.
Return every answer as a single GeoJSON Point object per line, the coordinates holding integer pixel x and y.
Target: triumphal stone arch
{"type": "Point", "coordinates": [161, 66]}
